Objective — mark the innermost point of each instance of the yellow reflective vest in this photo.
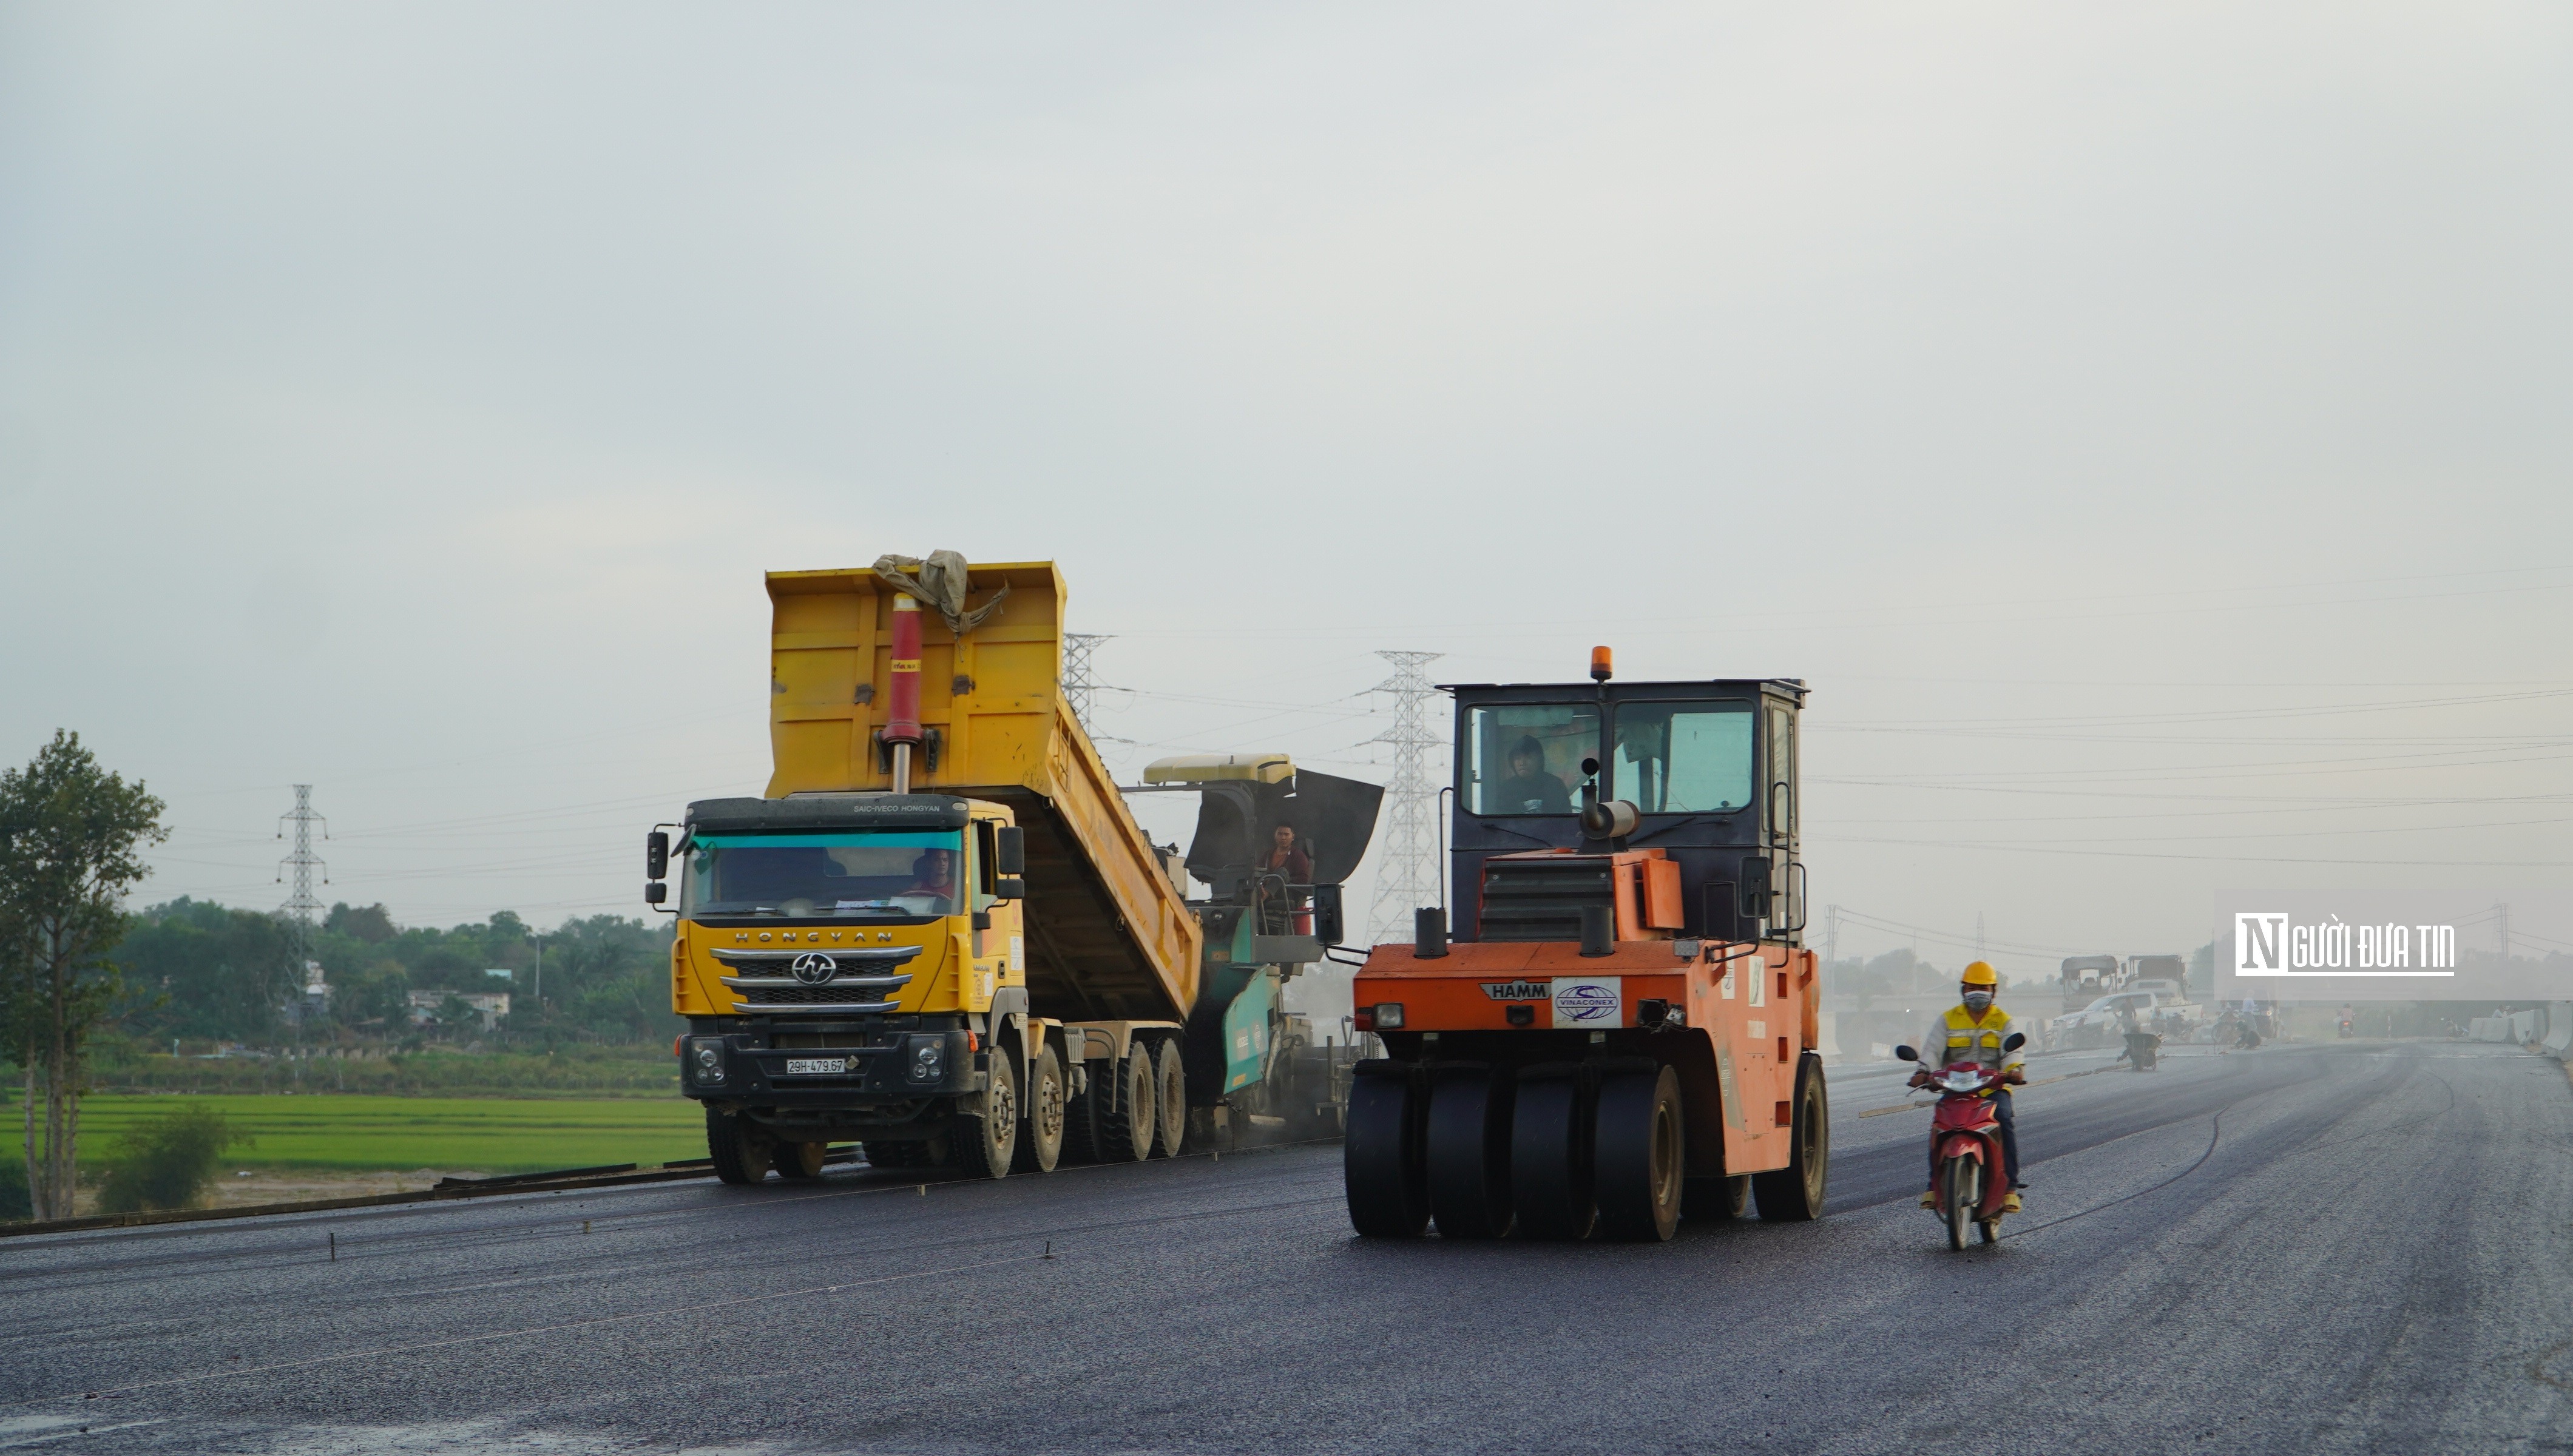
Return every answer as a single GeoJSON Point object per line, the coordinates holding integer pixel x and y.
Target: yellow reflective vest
{"type": "Point", "coordinates": [1958, 1037]}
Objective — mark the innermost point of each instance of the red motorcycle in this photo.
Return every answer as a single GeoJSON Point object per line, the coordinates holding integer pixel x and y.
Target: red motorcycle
{"type": "Point", "coordinates": [1974, 1179]}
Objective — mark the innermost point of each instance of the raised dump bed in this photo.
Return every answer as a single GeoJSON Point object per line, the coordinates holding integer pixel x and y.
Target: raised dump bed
{"type": "Point", "coordinates": [1110, 936]}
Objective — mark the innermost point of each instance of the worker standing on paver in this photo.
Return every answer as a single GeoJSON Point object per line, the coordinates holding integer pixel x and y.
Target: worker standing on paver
{"type": "Point", "coordinates": [1973, 1030]}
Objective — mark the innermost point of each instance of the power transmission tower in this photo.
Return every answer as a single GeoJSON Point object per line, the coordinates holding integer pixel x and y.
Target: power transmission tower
{"type": "Point", "coordinates": [300, 906]}
{"type": "Point", "coordinates": [1080, 688]}
{"type": "Point", "coordinates": [2505, 929]}
{"type": "Point", "coordinates": [1830, 934]}
{"type": "Point", "coordinates": [1408, 875]}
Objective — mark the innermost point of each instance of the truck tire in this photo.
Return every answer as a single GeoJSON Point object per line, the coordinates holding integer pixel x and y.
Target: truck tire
{"type": "Point", "coordinates": [799, 1161]}
{"type": "Point", "coordinates": [1639, 1154]}
{"type": "Point", "coordinates": [1171, 1113]}
{"type": "Point", "coordinates": [1040, 1141]}
{"type": "Point", "coordinates": [1132, 1093]}
{"type": "Point", "coordinates": [1382, 1170]}
{"type": "Point", "coordinates": [1794, 1193]}
{"type": "Point", "coordinates": [1468, 1152]}
{"type": "Point", "coordinates": [740, 1157]}
{"type": "Point", "coordinates": [1550, 1158]}
{"type": "Point", "coordinates": [1081, 1120]}
{"type": "Point", "coordinates": [984, 1147]}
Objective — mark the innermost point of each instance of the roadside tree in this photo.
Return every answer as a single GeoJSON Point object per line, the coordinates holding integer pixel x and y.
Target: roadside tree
{"type": "Point", "coordinates": [71, 840]}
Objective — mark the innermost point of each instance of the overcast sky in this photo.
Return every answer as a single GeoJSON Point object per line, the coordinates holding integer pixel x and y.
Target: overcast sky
{"type": "Point", "coordinates": [2145, 427]}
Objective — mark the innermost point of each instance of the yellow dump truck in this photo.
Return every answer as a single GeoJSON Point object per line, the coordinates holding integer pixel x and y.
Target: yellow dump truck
{"type": "Point", "coordinates": [940, 932]}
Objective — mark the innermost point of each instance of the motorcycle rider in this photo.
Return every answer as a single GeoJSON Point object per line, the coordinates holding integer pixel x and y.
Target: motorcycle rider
{"type": "Point", "coordinates": [1973, 1030]}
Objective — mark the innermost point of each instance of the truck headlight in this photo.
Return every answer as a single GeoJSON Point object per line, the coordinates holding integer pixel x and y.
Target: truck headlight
{"type": "Point", "coordinates": [928, 1059]}
{"type": "Point", "coordinates": [706, 1057]}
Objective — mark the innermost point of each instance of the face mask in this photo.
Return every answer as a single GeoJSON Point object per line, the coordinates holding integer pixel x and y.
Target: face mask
{"type": "Point", "coordinates": [1978, 1001]}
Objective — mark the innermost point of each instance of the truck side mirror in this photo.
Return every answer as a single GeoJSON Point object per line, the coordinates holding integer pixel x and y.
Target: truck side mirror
{"type": "Point", "coordinates": [2014, 1041]}
{"type": "Point", "coordinates": [657, 855]}
{"type": "Point", "coordinates": [1905, 1053]}
{"type": "Point", "coordinates": [1326, 915]}
{"type": "Point", "coordinates": [1754, 888]}
{"type": "Point", "coordinates": [1009, 887]}
{"type": "Point", "coordinates": [656, 892]}
{"type": "Point", "coordinates": [1010, 851]}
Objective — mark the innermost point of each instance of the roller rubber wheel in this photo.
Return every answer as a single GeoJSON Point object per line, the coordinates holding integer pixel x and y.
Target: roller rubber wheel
{"type": "Point", "coordinates": [1171, 1113]}
{"type": "Point", "coordinates": [984, 1146]}
{"type": "Point", "coordinates": [1382, 1167]}
{"type": "Point", "coordinates": [1961, 1188]}
{"type": "Point", "coordinates": [1126, 1119]}
{"type": "Point", "coordinates": [1040, 1141]}
{"type": "Point", "coordinates": [1639, 1154]}
{"type": "Point", "coordinates": [1794, 1193]}
{"type": "Point", "coordinates": [740, 1155]}
{"type": "Point", "coordinates": [1550, 1158]}
{"type": "Point", "coordinates": [799, 1161]}
{"type": "Point", "coordinates": [1468, 1153]}
{"type": "Point", "coordinates": [1717, 1200]}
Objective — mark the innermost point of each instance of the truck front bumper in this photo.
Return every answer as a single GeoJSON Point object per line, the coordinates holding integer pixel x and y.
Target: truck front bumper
{"type": "Point", "coordinates": [892, 1071]}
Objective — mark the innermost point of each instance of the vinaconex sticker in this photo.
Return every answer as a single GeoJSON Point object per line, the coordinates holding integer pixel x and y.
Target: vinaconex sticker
{"type": "Point", "coordinates": [1589, 1002]}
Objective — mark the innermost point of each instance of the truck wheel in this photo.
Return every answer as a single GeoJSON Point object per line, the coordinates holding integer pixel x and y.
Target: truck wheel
{"type": "Point", "coordinates": [1550, 1158]}
{"type": "Point", "coordinates": [1041, 1142]}
{"type": "Point", "coordinates": [799, 1161]}
{"type": "Point", "coordinates": [984, 1146]}
{"type": "Point", "coordinates": [1639, 1155]}
{"type": "Point", "coordinates": [1171, 1117]}
{"type": "Point", "coordinates": [1125, 1120]}
{"type": "Point", "coordinates": [1468, 1153]}
{"type": "Point", "coordinates": [1794, 1193]}
{"type": "Point", "coordinates": [1081, 1120]}
{"type": "Point", "coordinates": [740, 1158]}
{"type": "Point", "coordinates": [1381, 1170]}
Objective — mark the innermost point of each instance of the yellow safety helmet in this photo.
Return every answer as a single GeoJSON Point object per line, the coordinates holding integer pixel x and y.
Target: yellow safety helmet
{"type": "Point", "coordinates": [1978, 973]}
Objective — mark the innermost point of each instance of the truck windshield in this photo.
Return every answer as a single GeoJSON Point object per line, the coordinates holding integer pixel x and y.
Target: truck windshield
{"type": "Point", "coordinates": [860, 875]}
{"type": "Point", "coordinates": [1683, 758]}
{"type": "Point", "coordinates": [1525, 758]}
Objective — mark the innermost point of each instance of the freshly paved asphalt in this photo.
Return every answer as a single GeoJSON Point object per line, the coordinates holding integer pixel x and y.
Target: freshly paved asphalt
{"type": "Point", "coordinates": [2352, 1246]}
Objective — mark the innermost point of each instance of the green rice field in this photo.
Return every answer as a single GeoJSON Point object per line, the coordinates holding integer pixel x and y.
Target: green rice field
{"type": "Point", "coordinates": [482, 1135]}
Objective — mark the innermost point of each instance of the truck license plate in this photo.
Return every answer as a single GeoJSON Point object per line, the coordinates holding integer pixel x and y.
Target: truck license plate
{"type": "Point", "coordinates": [796, 1064]}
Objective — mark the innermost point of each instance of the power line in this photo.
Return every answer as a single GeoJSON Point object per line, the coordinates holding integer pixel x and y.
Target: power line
{"type": "Point", "coordinates": [1408, 876]}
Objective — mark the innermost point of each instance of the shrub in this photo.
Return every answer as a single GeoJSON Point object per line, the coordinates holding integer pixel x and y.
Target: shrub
{"type": "Point", "coordinates": [14, 1203]}
{"type": "Point", "coordinates": [168, 1161]}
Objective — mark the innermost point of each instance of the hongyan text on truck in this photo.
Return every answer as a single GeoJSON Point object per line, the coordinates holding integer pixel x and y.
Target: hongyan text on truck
{"type": "Point", "coordinates": [943, 934]}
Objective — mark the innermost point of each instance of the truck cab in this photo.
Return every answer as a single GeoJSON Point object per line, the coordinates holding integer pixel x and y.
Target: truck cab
{"type": "Point", "coordinates": [838, 958]}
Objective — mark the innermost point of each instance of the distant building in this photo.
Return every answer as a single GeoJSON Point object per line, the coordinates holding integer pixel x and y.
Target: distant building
{"type": "Point", "coordinates": [491, 1006]}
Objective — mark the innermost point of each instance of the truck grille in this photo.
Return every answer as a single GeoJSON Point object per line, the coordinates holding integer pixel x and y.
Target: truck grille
{"type": "Point", "coordinates": [1542, 898]}
{"type": "Point", "coordinates": [801, 995]}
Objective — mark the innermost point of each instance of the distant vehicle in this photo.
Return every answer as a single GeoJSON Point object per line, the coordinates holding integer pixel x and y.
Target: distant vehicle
{"type": "Point", "coordinates": [2096, 1024]}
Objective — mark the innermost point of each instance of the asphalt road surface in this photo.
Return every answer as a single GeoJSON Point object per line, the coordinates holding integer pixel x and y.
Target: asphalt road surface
{"type": "Point", "coordinates": [2352, 1246]}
